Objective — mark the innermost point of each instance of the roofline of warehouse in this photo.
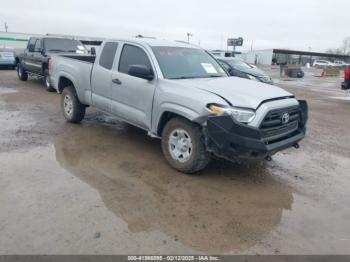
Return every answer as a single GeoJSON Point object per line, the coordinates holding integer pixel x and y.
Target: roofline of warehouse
{"type": "Point", "coordinates": [305, 53]}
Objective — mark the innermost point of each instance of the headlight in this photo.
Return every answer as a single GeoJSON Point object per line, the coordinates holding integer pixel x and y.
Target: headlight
{"type": "Point", "coordinates": [239, 114]}
{"type": "Point", "coordinates": [253, 78]}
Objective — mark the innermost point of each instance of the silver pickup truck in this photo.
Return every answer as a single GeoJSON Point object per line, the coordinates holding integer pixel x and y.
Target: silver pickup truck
{"type": "Point", "coordinates": [180, 94]}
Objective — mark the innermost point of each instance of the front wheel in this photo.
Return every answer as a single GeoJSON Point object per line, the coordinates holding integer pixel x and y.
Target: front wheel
{"type": "Point", "coordinates": [183, 146]}
{"type": "Point", "coordinates": [73, 110]}
{"type": "Point", "coordinates": [22, 74]}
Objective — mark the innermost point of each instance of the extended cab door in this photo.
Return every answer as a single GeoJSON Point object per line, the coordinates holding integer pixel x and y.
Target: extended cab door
{"type": "Point", "coordinates": [101, 78]}
{"type": "Point", "coordinates": [37, 57]}
{"type": "Point", "coordinates": [133, 96]}
{"type": "Point", "coordinates": [27, 60]}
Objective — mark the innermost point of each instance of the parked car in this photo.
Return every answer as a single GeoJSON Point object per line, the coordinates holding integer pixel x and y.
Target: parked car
{"type": "Point", "coordinates": [35, 59]}
{"type": "Point", "coordinates": [7, 58]}
{"type": "Point", "coordinates": [323, 63]}
{"type": "Point", "coordinates": [340, 63]}
{"type": "Point", "coordinates": [180, 94]}
{"type": "Point", "coordinates": [236, 67]}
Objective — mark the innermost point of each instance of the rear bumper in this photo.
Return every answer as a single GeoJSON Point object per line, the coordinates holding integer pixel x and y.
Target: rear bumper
{"type": "Point", "coordinates": [7, 62]}
{"type": "Point", "coordinates": [229, 139]}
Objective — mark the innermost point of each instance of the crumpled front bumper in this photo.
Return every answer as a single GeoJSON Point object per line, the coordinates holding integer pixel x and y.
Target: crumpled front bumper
{"type": "Point", "coordinates": [234, 141]}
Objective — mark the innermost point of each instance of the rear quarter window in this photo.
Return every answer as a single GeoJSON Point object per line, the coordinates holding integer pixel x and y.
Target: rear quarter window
{"type": "Point", "coordinates": [108, 54]}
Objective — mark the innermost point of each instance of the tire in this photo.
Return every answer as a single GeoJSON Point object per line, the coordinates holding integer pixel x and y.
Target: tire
{"type": "Point", "coordinates": [22, 74]}
{"type": "Point", "coordinates": [72, 109]}
{"type": "Point", "coordinates": [192, 160]}
{"type": "Point", "coordinates": [48, 86]}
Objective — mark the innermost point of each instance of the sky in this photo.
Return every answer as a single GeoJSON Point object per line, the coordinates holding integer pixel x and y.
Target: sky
{"type": "Point", "coordinates": [314, 25]}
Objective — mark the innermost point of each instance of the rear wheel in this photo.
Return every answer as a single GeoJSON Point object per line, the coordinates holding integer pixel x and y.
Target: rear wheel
{"type": "Point", "coordinates": [48, 86]}
{"type": "Point", "coordinates": [184, 147]}
{"type": "Point", "coordinates": [73, 110]}
{"type": "Point", "coordinates": [22, 74]}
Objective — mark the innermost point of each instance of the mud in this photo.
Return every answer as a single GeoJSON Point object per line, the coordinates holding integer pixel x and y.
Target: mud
{"type": "Point", "coordinates": [104, 187]}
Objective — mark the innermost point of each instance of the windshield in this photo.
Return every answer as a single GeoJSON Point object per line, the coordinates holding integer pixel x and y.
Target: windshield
{"type": "Point", "coordinates": [182, 63]}
{"type": "Point", "coordinates": [238, 64]}
{"type": "Point", "coordinates": [64, 45]}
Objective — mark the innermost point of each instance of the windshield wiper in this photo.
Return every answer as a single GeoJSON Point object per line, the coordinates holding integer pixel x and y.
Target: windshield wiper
{"type": "Point", "coordinates": [56, 50]}
{"type": "Point", "coordinates": [184, 77]}
{"type": "Point", "coordinates": [214, 76]}
{"type": "Point", "coordinates": [191, 77]}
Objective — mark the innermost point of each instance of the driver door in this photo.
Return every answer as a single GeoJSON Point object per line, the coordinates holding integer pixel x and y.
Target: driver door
{"type": "Point", "coordinates": [132, 97]}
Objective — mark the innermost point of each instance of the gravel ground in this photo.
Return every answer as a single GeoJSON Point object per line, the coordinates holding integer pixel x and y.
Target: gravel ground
{"type": "Point", "coordinates": [103, 187]}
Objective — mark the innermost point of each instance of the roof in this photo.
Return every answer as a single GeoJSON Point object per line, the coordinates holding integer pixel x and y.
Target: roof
{"type": "Point", "coordinates": [156, 42]}
{"type": "Point", "coordinates": [294, 52]}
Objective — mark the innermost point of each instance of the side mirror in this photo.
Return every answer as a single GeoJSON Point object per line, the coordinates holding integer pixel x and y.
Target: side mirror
{"type": "Point", "coordinates": [141, 72]}
{"type": "Point", "coordinates": [93, 51]}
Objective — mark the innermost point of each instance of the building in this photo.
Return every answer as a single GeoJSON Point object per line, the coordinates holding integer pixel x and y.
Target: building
{"type": "Point", "coordinates": [18, 41]}
{"type": "Point", "coordinates": [14, 40]}
{"type": "Point", "coordinates": [276, 56]}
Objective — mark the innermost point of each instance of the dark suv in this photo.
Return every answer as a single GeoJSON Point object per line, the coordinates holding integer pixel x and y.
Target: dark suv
{"type": "Point", "coordinates": [236, 67]}
{"type": "Point", "coordinates": [35, 59]}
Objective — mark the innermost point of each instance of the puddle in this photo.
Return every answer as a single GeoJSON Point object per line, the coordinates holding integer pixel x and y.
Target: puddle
{"type": "Point", "coordinates": [347, 98]}
{"type": "Point", "coordinates": [226, 208]}
{"type": "Point", "coordinates": [7, 90]}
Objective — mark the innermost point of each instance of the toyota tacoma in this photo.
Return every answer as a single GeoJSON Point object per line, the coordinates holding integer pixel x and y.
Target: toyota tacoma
{"type": "Point", "coordinates": [180, 93]}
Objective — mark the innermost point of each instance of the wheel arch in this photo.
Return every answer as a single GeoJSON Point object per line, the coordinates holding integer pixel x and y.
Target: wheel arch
{"type": "Point", "coordinates": [171, 113]}
{"type": "Point", "coordinates": [63, 82]}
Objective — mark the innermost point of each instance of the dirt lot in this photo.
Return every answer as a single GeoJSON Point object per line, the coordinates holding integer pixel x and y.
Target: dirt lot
{"type": "Point", "coordinates": [103, 186]}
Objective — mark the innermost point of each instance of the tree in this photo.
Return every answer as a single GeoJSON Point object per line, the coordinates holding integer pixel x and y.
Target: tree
{"type": "Point", "coordinates": [346, 46]}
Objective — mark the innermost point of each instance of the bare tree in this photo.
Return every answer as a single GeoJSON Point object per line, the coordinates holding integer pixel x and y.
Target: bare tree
{"type": "Point", "coordinates": [336, 51]}
{"type": "Point", "coordinates": [346, 46]}
{"type": "Point", "coordinates": [344, 49]}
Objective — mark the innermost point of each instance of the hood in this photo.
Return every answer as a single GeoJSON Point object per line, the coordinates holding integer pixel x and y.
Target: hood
{"type": "Point", "coordinates": [239, 92]}
{"type": "Point", "coordinates": [253, 71]}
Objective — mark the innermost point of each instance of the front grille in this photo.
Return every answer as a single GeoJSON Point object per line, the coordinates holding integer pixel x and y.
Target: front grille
{"type": "Point", "coordinates": [273, 127]}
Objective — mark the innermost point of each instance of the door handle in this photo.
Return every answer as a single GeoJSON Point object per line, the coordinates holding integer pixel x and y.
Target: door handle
{"type": "Point", "coordinates": [117, 81]}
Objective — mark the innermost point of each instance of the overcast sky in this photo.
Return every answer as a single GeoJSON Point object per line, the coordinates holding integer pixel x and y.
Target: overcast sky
{"type": "Point", "coordinates": [293, 24]}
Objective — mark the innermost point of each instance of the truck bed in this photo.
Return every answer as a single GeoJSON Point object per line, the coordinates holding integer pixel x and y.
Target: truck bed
{"type": "Point", "coordinates": [77, 68]}
{"type": "Point", "coordinates": [85, 58]}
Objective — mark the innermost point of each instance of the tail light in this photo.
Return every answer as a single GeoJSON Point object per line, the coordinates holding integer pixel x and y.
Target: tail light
{"type": "Point", "coordinates": [50, 65]}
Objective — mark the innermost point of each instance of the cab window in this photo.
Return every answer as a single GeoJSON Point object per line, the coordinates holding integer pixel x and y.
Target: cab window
{"type": "Point", "coordinates": [37, 45]}
{"type": "Point", "coordinates": [31, 44]}
{"type": "Point", "coordinates": [133, 55]}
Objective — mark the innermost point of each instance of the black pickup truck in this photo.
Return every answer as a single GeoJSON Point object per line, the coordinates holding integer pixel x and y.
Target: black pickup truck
{"type": "Point", "coordinates": [35, 60]}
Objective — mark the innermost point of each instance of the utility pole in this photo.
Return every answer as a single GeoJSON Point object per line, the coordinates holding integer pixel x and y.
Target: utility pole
{"type": "Point", "coordinates": [6, 27]}
{"type": "Point", "coordinates": [188, 37]}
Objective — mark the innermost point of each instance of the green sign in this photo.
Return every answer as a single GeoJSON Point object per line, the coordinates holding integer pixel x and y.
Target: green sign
{"type": "Point", "coordinates": [13, 39]}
